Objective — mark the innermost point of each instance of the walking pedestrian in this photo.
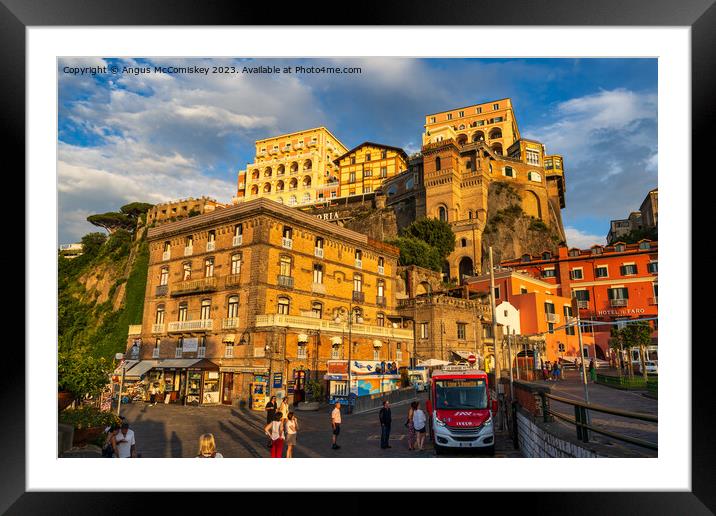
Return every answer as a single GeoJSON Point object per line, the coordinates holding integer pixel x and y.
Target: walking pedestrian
{"type": "Point", "coordinates": [270, 413]}
{"type": "Point", "coordinates": [274, 431]}
{"type": "Point", "coordinates": [153, 394]}
{"type": "Point", "coordinates": [544, 371]}
{"type": "Point", "coordinates": [556, 371]}
{"type": "Point", "coordinates": [126, 444]}
{"type": "Point", "coordinates": [291, 434]}
{"type": "Point", "coordinates": [109, 450]}
{"type": "Point", "coordinates": [385, 421]}
{"type": "Point", "coordinates": [336, 425]}
{"type": "Point", "coordinates": [207, 447]}
{"type": "Point", "coordinates": [592, 371]}
{"type": "Point", "coordinates": [419, 420]}
{"type": "Point", "coordinates": [284, 410]}
{"type": "Point", "coordinates": [411, 425]}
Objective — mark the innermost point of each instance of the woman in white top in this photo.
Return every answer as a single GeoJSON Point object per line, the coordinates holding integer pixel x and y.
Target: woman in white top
{"type": "Point", "coordinates": [291, 434]}
{"type": "Point", "coordinates": [419, 420]}
{"type": "Point", "coordinates": [274, 430]}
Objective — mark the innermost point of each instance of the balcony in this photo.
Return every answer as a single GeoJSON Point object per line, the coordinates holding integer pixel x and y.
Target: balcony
{"type": "Point", "coordinates": [161, 290]}
{"type": "Point", "coordinates": [287, 243]}
{"type": "Point", "coordinates": [318, 288]}
{"type": "Point", "coordinates": [155, 353]}
{"type": "Point", "coordinates": [188, 326]}
{"type": "Point", "coordinates": [312, 143]}
{"type": "Point", "coordinates": [201, 352]}
{"type": "Point", "coordinates": [618, 302]}
{"type": "Point", "coordinates": [166, 255]}
{"type": "Point", "coordinates": [238, 239]}
{"type": "Point", "coordinates": [314, 323]}
{"type": "Point", "coordinates": [232, 280]}
{"type": "Point", "coordinates": [230, 323]}
{"type": "Point", "coordinates": [195, 286]}
{"type": "Point", "coordinates": [653, 301]}
{"type": "Point", "coordinates": [299, 145]}
{"type": "Point", "coordinates": [229, 352]}
{"type": "Point", "coordinates": [318, 252]}
{"type": "Point", "coordinates": [582, 304]}
{"type": "Point", "coordinates": [285, 281]}
{"type": "Point", "coordinates": [552, 318]}
{"type": "Point", "coordinates": [135, 330]}
{"type": "Point", "coordinates": [188, 250]}
{"type": "Point", "coordinates": [381, 269]}
{"type": "Point", "coordinates": [358, 297]}
{"type": "Point", "coordinates": [158, 328]}
{"type": "Point", "coordinates": [358, 263]}
{"type": "Point", "coordinates": [273, 151]}
{"type": "Point", "coordinates": [210, 246]}
{"type": "Point", "coordinates": [380, 300]}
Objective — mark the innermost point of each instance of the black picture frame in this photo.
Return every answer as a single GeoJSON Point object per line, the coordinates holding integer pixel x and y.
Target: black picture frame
{"type": "Point", "coordinates": [700, 15]}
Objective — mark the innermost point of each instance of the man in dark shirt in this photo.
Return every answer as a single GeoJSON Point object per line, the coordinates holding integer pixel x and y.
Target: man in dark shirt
{"type": "Point", "coordinates": [385, 421]}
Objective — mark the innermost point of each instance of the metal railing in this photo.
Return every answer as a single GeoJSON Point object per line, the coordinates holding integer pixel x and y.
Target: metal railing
{"type": "Point", "coordinates": [166, 255]}
{"type": "Point", "coordinates": [618, 302]}
{"type": "Point", "coordinates": [232, 280]}
{"type": "Point", "coordinates": [553, 318]}
{"type": "Point", "coordinates": [581, 420]}
{"type": "Point", "coordinates": [158, 328]}
{"type": "Point", "coordinates": [161, 290]}
{"type": "Point", "coordinates": [380, 300]}
{"type": "Point", "coordinates": [230, 322]}
{"type": "Point", "coordinates": [584, 304]}
{"type": "Point", "coordinates": [188, 251]}
{"type": "Point", "coordinates": [285, 281]}
{"type": "Point", "coordinates": [358, 297]}
{"type": "Point", "coordinates": [194, 286]}
{"type": "Point", "coordinates": [314, 323]}
{"type": "Point", "coordinates": [287, 243]}
{"type": "Point", "coordinates": [194, 325]}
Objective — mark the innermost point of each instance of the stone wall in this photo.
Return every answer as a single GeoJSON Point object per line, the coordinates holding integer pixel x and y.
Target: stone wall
{"type": "Point", "coordinates": [536, 441]}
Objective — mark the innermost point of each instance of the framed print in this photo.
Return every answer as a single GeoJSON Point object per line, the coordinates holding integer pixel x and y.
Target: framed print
{"type": "Point", "coordinates": [359, 246]}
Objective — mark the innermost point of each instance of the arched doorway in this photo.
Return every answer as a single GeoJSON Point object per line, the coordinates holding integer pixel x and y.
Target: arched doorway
{"type": "Point", "coordinates": [466, 267]}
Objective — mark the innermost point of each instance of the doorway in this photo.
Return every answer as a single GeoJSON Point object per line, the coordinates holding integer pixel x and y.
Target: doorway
{"type": "Point", "coordinates": [228, 389]}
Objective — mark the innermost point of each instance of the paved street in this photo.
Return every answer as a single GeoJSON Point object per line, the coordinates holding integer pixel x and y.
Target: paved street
{"type": "Point", "coordinates": [173, 431]}
{"type": "Point", "coordinates": [632, 401]}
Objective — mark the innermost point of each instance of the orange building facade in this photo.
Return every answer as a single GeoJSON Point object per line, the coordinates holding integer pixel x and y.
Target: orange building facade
{"type": "Point", "coordinates": [611, 283]}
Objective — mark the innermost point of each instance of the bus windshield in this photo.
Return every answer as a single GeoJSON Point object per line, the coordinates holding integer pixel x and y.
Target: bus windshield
{"type": "Point", "coordinates": [461, 394]}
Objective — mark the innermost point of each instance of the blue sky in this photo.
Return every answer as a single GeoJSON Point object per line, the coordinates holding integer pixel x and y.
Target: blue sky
{"type": "Point", "coordinates": [156, 137]}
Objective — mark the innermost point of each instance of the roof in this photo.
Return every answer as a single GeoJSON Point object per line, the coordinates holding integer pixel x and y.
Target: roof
{"type": "Point", "coordinates": [284, 135]}
{"type": "Point", "coordinates": [373, 144]}
{"type": "Point", "coordinates": [471, 105]}
{"type": "Point", "coordinates": [458, 374]}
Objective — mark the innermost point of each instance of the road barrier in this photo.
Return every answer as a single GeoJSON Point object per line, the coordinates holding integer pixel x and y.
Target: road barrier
{"type": "Point", "coordinates": [373, 401]}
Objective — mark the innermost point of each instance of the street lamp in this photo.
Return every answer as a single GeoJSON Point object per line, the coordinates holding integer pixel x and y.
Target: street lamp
{"type": "Point", "coordinates": [120, 356]}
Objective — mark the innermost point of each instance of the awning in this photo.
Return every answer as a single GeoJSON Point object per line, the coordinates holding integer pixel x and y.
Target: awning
{"type": "Point", "coordinates": [302, 337]}
{"type": "Point", "coordinates": [377, 344]}
{"type": "Point", "coordinates": [336, 341]}
{"type": "Point", "coordinates": [229, 337]}
{"type": "Point", "coordinates": [141, 368]}
{"type": "Point", "coordinates": [432, 362]}
{"type": "Point", "coordinates": [128, 363]}
{"type": "Point", "coordinates": [462, 354]}
{"type": "Point", "coordinates": [184, 363]}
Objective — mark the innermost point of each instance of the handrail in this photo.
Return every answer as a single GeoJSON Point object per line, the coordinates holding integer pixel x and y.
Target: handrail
{"type": "Point", "coordinates": [619, 437]}
{"type": "Point", "coordinates": [606, 410]}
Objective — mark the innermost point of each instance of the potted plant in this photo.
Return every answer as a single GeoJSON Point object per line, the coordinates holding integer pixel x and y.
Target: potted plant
{"type": "Point", "coordinates": [80, 374]}
{"type": "Point", "coordinates": [89, 423]}
{"type": "Point", "coordinates": [315, 393]}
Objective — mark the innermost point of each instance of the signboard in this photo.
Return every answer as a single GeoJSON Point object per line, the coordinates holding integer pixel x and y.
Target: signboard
{"type": "Point", "coordinates": [471, 358]}
{"type": "Point", "coordinates": [190, 344]}
{"type": "Point", "coordinates": [337, 367]}
{"type": "Point", "coordinates": [277, 379]}
{"type": "Point", "coordinates": [361, 367]}
{"type": "Point", "coordinates": [291, 386]}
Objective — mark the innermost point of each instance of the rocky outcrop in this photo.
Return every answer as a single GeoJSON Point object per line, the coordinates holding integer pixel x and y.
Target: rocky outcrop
{"type": "Point", "coordinates": [379, 224]}
{"type": "Point", "coordinates": [510, 232]}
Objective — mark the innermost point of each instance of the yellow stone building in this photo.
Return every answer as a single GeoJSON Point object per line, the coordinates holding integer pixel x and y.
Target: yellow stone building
{"type": "Point", "coordinates": [293, 169]}
{"type": "Point", "coordinates": [363, 169]}
{"type": "Point", "coordinates": [259, 289]}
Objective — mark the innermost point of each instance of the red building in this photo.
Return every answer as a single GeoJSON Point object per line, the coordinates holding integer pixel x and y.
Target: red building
{"type": "Point", "coordinates": [611, 283]}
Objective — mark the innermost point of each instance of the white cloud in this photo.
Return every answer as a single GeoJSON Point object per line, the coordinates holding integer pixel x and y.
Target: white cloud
{"type": "Point", "coordinates": [582, 240]}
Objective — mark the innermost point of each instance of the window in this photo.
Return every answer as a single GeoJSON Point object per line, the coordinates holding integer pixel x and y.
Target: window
{"type": "Point", "coordinates": [460, 113]}
{"type": "Point", "coordinates": [449, 116]}
{"type": "Point", "coordinates": [596, 250]}
{"type": "Point", "coordinates": [644, 245]}
{"type": "Point", "coordinates": [549, 308]}
{"type": "Point", "coordinates": [208, 267]}
{"type": "Point", "coordinates": [424, 330]}
{"type": "Point", "coordinates": [534, 176]}
{"type": "Point", "coordinates": [381, 265]}
{"type": "Point", "coordinates": [205, 309]}
{"type": "Point", "coordinates": [442, 213]}
{"type": "Point", "coordinates": [463, 241]}
{"type": "Point", "coordinates": [187, 271]}
{"type": "Point", "coordinates": [618, 293]}
{"type": "Point", "coordinates": [437, 163]}
{"type": "Point", "coordinates": [189, 241]}
{"type": "Point", "coordinates": [628, 269]}
{"type": "Point", "coordinates": [495, 107]}
{"type": "Point", "coordinates": [381, 288]}
{"type": "Point", "coordinates": [164, 276]}
{"type": "Point", "coordinates": [236, 263]}
{"type": "Point", "coordinates": [357, 283]}
{"type": "Point", "coordinates": [581, 295]}
{"type": "Point", "coordinates": [367, 156]}
{"type": "Point", "coordinates": [548, 273]}
{"type": "Point", "coordinates": [601, 271]}
{"type": "Point", "coordinates": [317, 309]}
{"type": "Point", "coordinates": [284, 305]}
{"type": "Point", "coordinates": [523, 290]}
{"type": "Point", "coordinates": [376, 353]}
{"type": "Point", "coordinates": [478, 110]}
{"type": "Point", "coordinates": [619, 248]}
{"type": "Point", "coordinates": [155, 351]}
{"type": "Point", "coordinates": [383, 172]}
{"type": "Point", "coordinates": [461, 327]}
{"type": "Point", "coordinates": [159, 318]}
{"type": "Point", "coordinates": [432, 119]}
{"type": "Point", "coordinates": [653, 267]}
{"type": "Point", "coordinates": [576, 274]}
{"type": "Point", "coordinates": [509, 172]}
{"type": "Point", "coordinates": [383, 154]}
{"type": "Point", "coordinates": [574, 252]}
{"type": "Point", "coordinates": [353, 160]}
{"type": "Point", "coordinates": [183, 311]}
{"type": "Point", "coordinates": [317, 273]}
{"type": "Point", "coordinates": [380, 319]}
{"type": "Point", "coordinates": [352, 177]}
{"type": "Point", "coordinates": [233, 311]}
{"type": "Point", "coordinates": [167, 247]}
{"type": "Point", "coordinates": [285, 265]}
{"type": "Point", "coordinates": [180, 345]}
{"type": "Point", "coordinates": [550, 327]}
{"type": "Point", "coordinates": [569, 330]}
{"type": "Point", "coordinates": [497, 292]}
{"type": "Point", "coordinates": [367, 173]}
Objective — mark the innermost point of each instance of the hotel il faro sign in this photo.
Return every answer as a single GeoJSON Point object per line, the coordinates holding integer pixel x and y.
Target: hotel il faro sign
{"type": "Point", "coordinates": [626, 311]}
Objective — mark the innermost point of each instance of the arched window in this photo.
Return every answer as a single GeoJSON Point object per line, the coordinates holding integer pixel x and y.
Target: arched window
{"type": "Point", "coordinates": [281, 170]}
{"type": "Point", "coordinates": [267, 187]}
{"type": "Point", "coordinates": [159, 318]}
{"type": "Point", "coordinates": [268, 172]}
{"type": "Point", "coordinates": [205, 309]}
{"type": "Point", "coordinates": [307, 165]}
{"type": "Point", "coordinates": [442, 213]}
{"type": "Point", "coordinates": [380, 319]}
{"type": "Point", "coordinates": [306, 182]}
{"type": "Point", "coordinates": [254, 190]}
{"type": "Point", "coordinates": [463, 242]}
{"type": "Point", "coordinates": [233, 311]}
{"type": "Point", "coordinates": [317, 309]}
{"type": "Point", "coordinates": [279, 186]}
{"type": "Point", "coordinates": [255, 174]}
{"type": "Point", "coordinates": [437, 163]}
{"type": "Point", "coordinates": [284, 305]}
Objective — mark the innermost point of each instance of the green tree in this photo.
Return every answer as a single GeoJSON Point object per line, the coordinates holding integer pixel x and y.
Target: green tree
{"type": "Point", "coordinates": [92, 243]}
{"type": "Point", "coordinates": [434, 232]}
{"type": "Point", "coordinates": [633, 335]}
{"type": "Point", "coordinates": [136, 209]}
{"type": "Point", "coordinates": [112, 221]}
{"type": "Point", "coordinates": [81, 373]}
{"type": "Point", "coordinates": [417, 252]}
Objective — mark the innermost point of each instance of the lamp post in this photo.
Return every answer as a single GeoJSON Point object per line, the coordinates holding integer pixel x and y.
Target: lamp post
{"type": "Point", "coordinates": [120, 356]}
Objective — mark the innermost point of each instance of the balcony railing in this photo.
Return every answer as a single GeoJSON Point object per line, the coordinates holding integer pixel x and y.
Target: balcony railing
{"type": "Point", "coordinates": [653, 300]}
{"type": "Point", "coordinates": [178, 353]}
{"type": "Point", "coordinates": [195, 325]}
{"type": "Point", "coordinates": [232, 280]}
{"type": "Point", "coordinates": [358, 297]}
{"type": "Point", "coordinates": [583, 303]}
{"type": "Point", "coordinates": [287, 243]}
{"type": "Point", "coordinates": [229, 323]}
{"type": "Point", "coordinates": [162, 290]}
{"type": "Point", "coordinates": [210, 246]}
{"type": "Point", "coordinates": [135, 329]}
{"type": "Point", "coordinates": [201, 352]}
{"type": "Point", "coordinates": [285, 281]}
{"type": "Point", "coordinates": [195, 286]}
{"type": "Point", "coordinates": [313, 323]}
{"type": "Point", "coordinates": [381, 269]}
{"type": "Point", "coordinates": [238, 239]}
{"type": "Point", "coordinates": [155, 353]}
{"type": "Point", "coordinates": [380, 300]}
{"type": "Point", "coordinates": [359, 263]}
{"type": "Point", "coordinates": [318, 288]}
{"type": "Point", "coordinates": [229, 352]}
{"type": "Point", "coordinates": [188, 251]}
{"type": "Point", "coordinates": [552, 318]}
{"type": "Point", "coordinates": [158, 328]}
{"type": "Point", "coordinates": [166, 255]}
{"type": "Point", "coordinates": [318, 252]}
{"type": "Point", "coordinates": [618, 302]}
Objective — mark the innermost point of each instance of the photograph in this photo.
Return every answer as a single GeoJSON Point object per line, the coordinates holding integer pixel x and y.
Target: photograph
{"type": "Point", "coordinates": [357, 257]}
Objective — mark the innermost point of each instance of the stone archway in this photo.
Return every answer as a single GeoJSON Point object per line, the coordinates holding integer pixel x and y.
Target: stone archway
{"type": "Point", "coordinates": [466, 267]}
{"type": "Point", "coordinates": [531, 205]}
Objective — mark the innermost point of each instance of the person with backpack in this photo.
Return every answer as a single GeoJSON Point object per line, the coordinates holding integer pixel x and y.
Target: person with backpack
{"type": "Point", "coordinates": [207, 447]}
{"type": "Point", "coordinates": [385, 421]}
{"type": "Point", "coordinates": [274, 431]}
